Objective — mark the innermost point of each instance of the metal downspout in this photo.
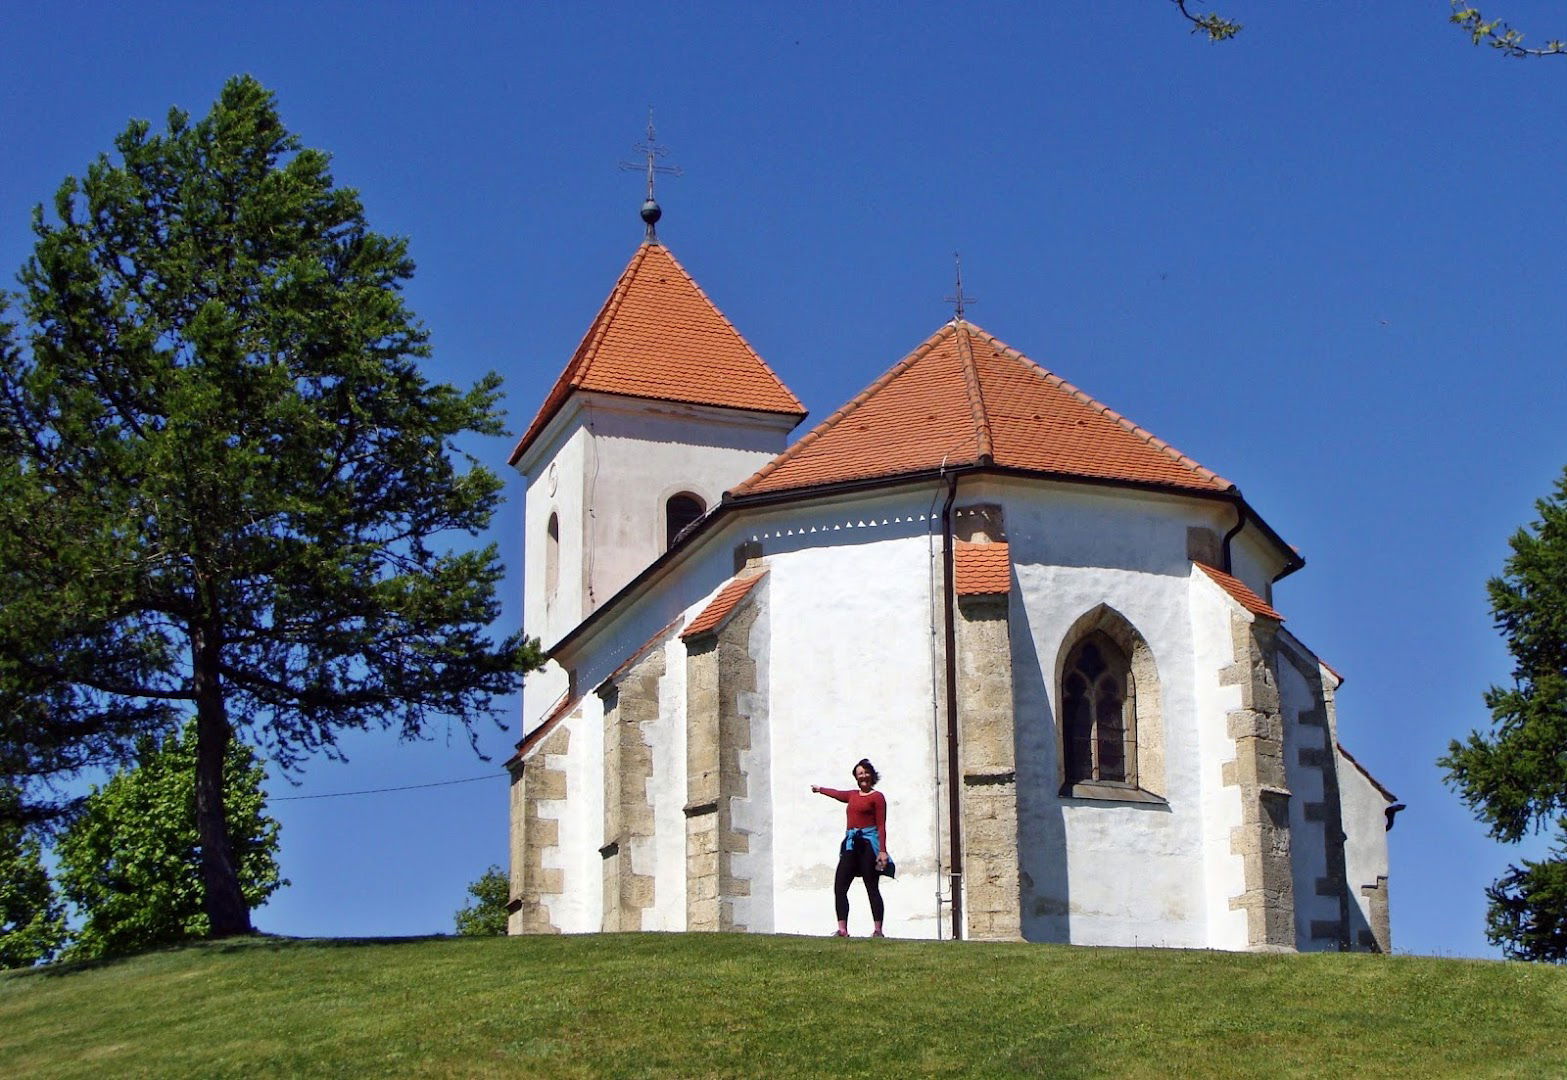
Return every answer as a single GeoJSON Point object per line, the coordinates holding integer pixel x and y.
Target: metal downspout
{"type": "Point", "coordinates": [949, 616]}
{"type": "Point", "coordinates": [1240, 523]}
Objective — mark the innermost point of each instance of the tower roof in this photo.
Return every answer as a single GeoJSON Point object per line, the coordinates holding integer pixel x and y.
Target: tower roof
{"type": "Point", "coordinates": [659, 336]}
{"type": "Point", "coordinates": [965, 398]}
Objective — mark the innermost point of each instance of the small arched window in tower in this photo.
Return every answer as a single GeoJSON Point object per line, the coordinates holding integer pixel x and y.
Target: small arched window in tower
{"type": "Point", "coordinates": [1097, 707]}
{"type": "Point", "coordinates": [680, 513]}
{"type": "Point", "coordinates": [551, 558]}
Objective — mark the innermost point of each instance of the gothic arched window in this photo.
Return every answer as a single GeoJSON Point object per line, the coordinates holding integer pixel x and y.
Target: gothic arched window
{"type": "Point", "coordinates": [680, 513]}
{"type": "Point", "coordinates": [1098, 707]}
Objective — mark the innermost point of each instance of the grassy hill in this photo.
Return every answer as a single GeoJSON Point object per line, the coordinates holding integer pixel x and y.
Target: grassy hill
{"type": "Point", "coordinates": [732, 1005]}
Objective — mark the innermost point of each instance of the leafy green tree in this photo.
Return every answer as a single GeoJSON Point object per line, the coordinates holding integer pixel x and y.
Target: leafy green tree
{"type": "Point", "coordinates": [486, 916]}
{"type": "Point", "coordinates": [1514, 777]}
{"type": "Point", "coordinates": [226, 488]}
{"type": "Point", "coordinates": [132, 860]}
{"type": "Point", "coordinates": [32, 919]}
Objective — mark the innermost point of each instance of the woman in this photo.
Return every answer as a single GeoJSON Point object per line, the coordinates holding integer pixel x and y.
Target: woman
{"type": "Point", "coordinates": [863, 852]}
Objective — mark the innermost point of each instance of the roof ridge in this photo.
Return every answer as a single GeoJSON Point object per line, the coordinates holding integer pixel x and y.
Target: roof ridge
{"type": "Point", "coordinates": [576, 367]}
{"type": "Point", "coordinates": [837, 415]}
{"type": "Point", "coordinates": [606, 315]}
{"type": "Point", "coordinates": [975, 392]}
{"type": "Point", "coordinates": [1127, 424]}
{"type": "Point", "coordinates": [733, 328]}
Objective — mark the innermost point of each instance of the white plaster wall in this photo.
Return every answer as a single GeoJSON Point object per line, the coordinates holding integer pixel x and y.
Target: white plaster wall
{"type": "Point", "coordinates": [1365, 831]}
{"type": "Point", "coordinates": [1100, 872]}
{"type": "Point", "coordinates": [1255, 562]}
{"type": "Point", "coordinates": [543, 616]}
{"type": "Point", "coordinates": [542, 690]}
{"type": "Point", "coordinates": [1308, 839]}
{"type": "Point", "coordinates": [580, 908]}
{"type": "Point", "coordinates": [1212, 609]}
{"type": "Point", "coordinates": [851, 678]}
{"type": "Point", "coordinates": [663, 854]}
{"type": "Point", "coordinates": [846, 663]}
{"type": "Point", "coordinates": [616, 463]}
{"type": "Point", "coordinates": [642, 453]}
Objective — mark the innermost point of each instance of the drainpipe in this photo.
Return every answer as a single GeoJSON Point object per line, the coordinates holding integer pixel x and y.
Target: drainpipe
{"type": "Point", "coordinates": [1240, 523]}
{"type": "Point", "coordinates": [954, 809]}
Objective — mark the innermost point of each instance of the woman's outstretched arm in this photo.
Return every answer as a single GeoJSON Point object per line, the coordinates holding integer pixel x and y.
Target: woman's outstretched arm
{"type": "Point", "coordinates": [832, 793]}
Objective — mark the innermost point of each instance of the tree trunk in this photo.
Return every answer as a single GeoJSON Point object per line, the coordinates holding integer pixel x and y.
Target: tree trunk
{"type": "Point", "coordinates": [225, 904]}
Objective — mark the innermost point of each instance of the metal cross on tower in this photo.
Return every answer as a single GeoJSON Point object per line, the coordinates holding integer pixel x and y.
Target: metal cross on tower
{"type": "Point", "coordinates": [651, 151]}
{"type": "Point", "coordinates": [958, 299]}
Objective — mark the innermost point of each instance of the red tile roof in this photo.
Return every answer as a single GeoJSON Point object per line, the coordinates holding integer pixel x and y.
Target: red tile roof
{"type": "Point", "coordinates": [722, 606]}
{"type": "Point", "coordinates": [982, 569]}
{"type": "Point", "coordinates": [1241, 593]}
{"type": "Point", "coordinates": [659, 336]}
{"type": "Point", "coordinates": [965, 398]}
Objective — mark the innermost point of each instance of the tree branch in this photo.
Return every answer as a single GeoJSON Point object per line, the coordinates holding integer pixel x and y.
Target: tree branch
{"type": "Point", "coordinates": [1215, 26]}
{"type": "Point", "coordinates": [1498, 34]}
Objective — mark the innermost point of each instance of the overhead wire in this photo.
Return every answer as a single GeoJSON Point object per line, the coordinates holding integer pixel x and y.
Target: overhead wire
{"type": "Point", "coordinates": [378, 791]}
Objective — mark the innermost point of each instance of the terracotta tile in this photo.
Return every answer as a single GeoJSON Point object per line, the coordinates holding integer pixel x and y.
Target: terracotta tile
{"type": "Point", "coordinates": [965, 398]}
{"type": "Point", "coordinates": [981, 569]}
{"type": "Point", "coordinates": [1241, 593]}
{"type": "Point", "coordinates": [722, 605]}
{"type": "Point", "coordinates": [659, 336]}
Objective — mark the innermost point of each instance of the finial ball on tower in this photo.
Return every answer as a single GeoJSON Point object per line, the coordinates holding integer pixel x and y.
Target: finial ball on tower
{"type": "Point", "coordinates": [651, 212]}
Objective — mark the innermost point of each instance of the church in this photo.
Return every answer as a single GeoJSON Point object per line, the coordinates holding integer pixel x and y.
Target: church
{"type": "Point", "coordinates": [1052, 632]}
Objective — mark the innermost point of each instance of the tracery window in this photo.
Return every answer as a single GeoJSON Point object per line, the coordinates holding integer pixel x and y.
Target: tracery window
{"type": "Point", "coordinates": [680, 513]}
{"type": "Point", "coordinates": [1098, 709]}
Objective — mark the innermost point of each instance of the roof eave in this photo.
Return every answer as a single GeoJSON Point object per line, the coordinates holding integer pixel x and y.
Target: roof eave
{"type": "Point", "coordinates": [731, 504]}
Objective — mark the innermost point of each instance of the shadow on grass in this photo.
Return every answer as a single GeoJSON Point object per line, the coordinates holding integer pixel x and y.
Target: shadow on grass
{"type": "Point", "coordinates": [247, 943]}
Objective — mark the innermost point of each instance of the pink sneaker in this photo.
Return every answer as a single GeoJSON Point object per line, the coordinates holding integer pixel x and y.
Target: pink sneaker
{"type": "Point", "coordinates": [840, 933]}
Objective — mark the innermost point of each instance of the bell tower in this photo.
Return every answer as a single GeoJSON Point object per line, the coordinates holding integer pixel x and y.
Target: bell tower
{"type": "Point", "coordinates": [662, 408]}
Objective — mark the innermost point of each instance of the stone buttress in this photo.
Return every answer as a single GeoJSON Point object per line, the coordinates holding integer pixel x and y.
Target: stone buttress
{"type": "Point", "coordinates": [721, 681]}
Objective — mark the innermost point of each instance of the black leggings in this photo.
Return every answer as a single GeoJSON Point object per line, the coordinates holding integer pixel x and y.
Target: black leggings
{"type": "Point", "coordinates": [861, 862]}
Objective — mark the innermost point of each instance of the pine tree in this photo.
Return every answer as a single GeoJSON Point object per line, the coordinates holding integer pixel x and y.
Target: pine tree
{"type": "Point", "coordinates": [224, 483]}
{"type": "Point", "coordinates": [1514, 777]}
{"type": "Point", "coordinates": [32, 919]}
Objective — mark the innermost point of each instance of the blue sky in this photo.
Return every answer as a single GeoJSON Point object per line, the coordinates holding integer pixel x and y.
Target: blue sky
{"type": "Point", "coordinates": [1324, 259]}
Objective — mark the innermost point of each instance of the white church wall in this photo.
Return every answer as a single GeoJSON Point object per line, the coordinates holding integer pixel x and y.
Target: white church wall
{"type": "Point", "coordinates": [607, 465]}
{"type": "Point", "coordinates": [850, 644]}
{"type": "Point", "coordinates": [642, 453]}
{"type": "Point", "coordinates": [1211, 613]}
{"type": "Point", "coordinates": [580, 908]}
{"type": "Point", "coordinates": [1308, 840]}
{"type": "Point", "coordinates": [1101, 872]}
{"type": "Point", "coordinates": [542, 690]}
{"type": "Point", "coordinates": [555, 486]}
{"type": "Point", "coordinates": [666, 855]}
{"type": "Point", "coordinates": [1255, 562]}
{"type": "Point", "coordinates": [1365, 841]}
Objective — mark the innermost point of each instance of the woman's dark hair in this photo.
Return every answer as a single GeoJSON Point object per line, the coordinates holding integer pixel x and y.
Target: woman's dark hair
{"type": "Point", "coordinates": [866, 762]}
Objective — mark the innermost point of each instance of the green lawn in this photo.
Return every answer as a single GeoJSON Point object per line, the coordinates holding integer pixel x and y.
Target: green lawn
{"type": "Point", "coordinates": [730, 1005]}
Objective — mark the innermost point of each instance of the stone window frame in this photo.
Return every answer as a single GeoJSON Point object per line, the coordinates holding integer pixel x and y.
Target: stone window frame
{"type": "Point", "coordinates": [678, 520]}
{"type": "Point", "coordinates": [1143, 724]}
